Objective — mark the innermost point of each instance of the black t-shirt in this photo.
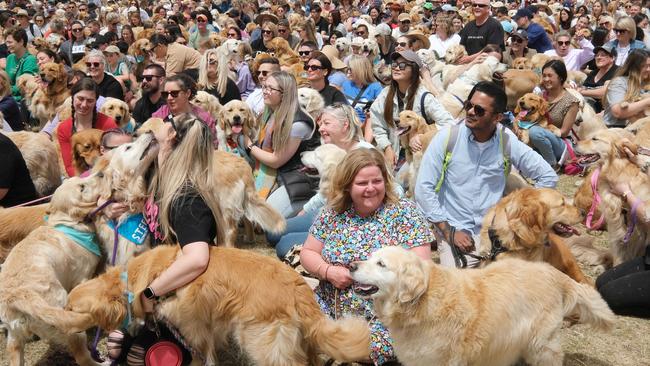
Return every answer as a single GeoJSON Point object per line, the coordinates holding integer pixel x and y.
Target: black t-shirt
{"type": "Point", "coordinates": [475, 38]}
{"type": "Point", "coordinates": [332, 95]}
{"type": "Point", "coordinates": [14, 175]}
{"type": "Point", "coordinates": [192, 220]}
{"type": "Point", "coordinates": [590, 80]}
{"type": "Point", "coordinates": [258, 46]}
{"type": "Point", "coordinates": [144, 108]}
{"type": "Point", "coordinates": [232, 92]}
{"type": "Point", "coordinates": [322, 25]}
{"type": "Point", "coordinates": [109, 87]}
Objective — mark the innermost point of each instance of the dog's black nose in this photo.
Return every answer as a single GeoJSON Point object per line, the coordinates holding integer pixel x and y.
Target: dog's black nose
{"type": "Point", "coordinates": [236, 118]}
{"type": "Point", "coordinates": [521, 104]}
{"type": "Point", "coordinates": [353, 266]}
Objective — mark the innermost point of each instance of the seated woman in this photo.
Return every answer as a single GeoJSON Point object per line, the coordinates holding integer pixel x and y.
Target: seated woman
{"type": "Point", "coordinates": [285, 132]}
{"type": "Point", "coordinates": [361, 89]}
{"type": "Point", "coordinates": [84, 116]}
{"type": "Point", "coordinates": [340, 126]}
{"type": "Point", "coordinates": [318, 69]}
{"type": "Point", "coordinates": [363, 214]}
{"type": "Point", "coordinates": [623, 95]}
{"type": "Point", "coordinates": [8, 105]}
{"type": "Point", "coordinates": [188, 215]}
{"type": "Point", "coordinates": [626, 287]}
{"type": "Point", "coordinates": [213, 77]}
{"type": "Point", "coordinates": [593, 88]}
{"type": "Point", "coordinates": [178, 91]}
{"type": "Point", "coordinates": [562, 112]}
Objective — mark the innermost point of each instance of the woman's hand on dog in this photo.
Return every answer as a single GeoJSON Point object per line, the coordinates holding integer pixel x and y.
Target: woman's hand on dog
{"type": "Point", "coordinates": [415, 144]}
{"type": "Point", "coordinates": [114, 210]}
{"type": "Point", "coordinates": [339, 277]}
{"type": "Point", "coordinates": [463, 241]}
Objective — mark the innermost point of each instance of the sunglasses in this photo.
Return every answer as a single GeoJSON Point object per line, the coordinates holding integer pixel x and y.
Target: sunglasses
{"type": "Point", "coordinates": [406, 22]}
{"type": "Point", "coordinates": [313, 67]}
{"type": "Point", "coordinates": [517, 40]}
{"type": "Point", "coordinates": [402, 44]}
{"type": "Point", "coordinates": [212, 61]}
{"type": "Point", "coordinates": [326, 3]}
{"type": "Point", "coordinates": [360, 33]}
{"type": "Point", "coordinates": [173, 93]}
{"type": "Point", "coordinates": [77, 29]}
{"type": "Point", "coordinates": [478, 110]}
{"type": "Point", "coordinates": [149, 77]}
{"type": "Point", "coordinates": [304, 53]}
{"type": "Point", "coordinates": [267, 32]}
{"type": "Point", "coordinates": [480, 5]}
{"type": "Point", "coordinates": [620, 30]}
{"type": "Point", "coordinates": [263, 73]}
{"type": "Point", "coordinates": [563, 43]}
{"type": "Point", "coordinates": [283, 31]}
{"type": "Point", "coordinates": [232, 35]}
{"type": "Point", "coordinates": [401, 65]}
{"type": "Point", "coordinates": [200, 20]}
{"type": "Point", "coordinates": [92, 64]}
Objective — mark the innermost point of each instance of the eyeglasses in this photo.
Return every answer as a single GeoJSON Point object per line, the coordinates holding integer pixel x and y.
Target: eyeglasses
{"type": "Point", "coordinates": [406, 22]}
{"type": "Point", "coordinates": [478, 110]}
{"type": "Point", "coordinates": [283, 31]}
{"type": "Point", "coordinates": [269, 89]}
{"type": "Point", "coordinates": [149, 77]}
{"type": "Point", "coordinates": [263, 73]}
{"type": "Point", "coordinates": [93, 64]}
{"type": "Point", "coordinates": [304, 53]}
{"type": "Point", "coordinates": [475, 5]}
{"type": "Point", "coordinates": [620, 30]}
{"type": "Point", "coordinates": [517, 40]}
{"type": "Point", "coordinates": [212, 61]}
{"type": "Point", "coordinates": [401, 65]}
{"type": "Point", "coordinates": [174, 94]}
{"type": "Point", "coordinates": [267, 32]}
{"type": "Point", "coordinates": [563, 43]}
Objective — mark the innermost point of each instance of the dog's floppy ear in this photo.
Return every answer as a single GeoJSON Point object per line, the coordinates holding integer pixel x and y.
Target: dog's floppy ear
{"type": "Point", "coordinates": [413, 281]}
{"type": "Point", "coordinates": [528, 220]}
{"type": "Point", "coordinates": [542, 107]}
{"type": "Point", "coordinates": [61, 76]}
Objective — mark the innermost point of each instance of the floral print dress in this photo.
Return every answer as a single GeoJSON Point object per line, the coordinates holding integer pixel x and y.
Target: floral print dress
{"type": "Point", "coordinates": [347, 237]}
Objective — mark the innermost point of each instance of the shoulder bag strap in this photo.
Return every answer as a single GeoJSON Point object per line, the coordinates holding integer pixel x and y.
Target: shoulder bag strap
{"type": "Point", "coordinates": [359, 94]}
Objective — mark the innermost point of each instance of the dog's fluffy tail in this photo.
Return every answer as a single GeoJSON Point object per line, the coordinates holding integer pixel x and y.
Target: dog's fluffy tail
{"type": "Point", "coordinates": [587, 304]}
{"type": "Point", "coordinates": [583, 249]}
{"type": "Point", "coordinates": [261, 213]}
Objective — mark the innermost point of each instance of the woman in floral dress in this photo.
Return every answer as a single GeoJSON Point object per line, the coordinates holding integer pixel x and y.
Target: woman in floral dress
{"type": "Point", "coordinates": [363, 215]}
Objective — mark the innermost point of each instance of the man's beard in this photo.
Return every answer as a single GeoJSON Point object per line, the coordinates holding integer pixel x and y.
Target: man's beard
{"type": "Point", "coordinates": [150, 89]}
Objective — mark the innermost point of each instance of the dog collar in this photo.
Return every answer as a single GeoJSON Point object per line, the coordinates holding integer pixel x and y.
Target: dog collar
{"type": "Point", "coordinates": [526, 124]}
{"type": "Point", "coordinates": [124, 276]}
{"type": "Point", "coordinates": [85, 239]}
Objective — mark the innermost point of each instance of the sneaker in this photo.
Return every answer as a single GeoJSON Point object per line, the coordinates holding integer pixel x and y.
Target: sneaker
{"type": "Point", "coordinates": [564, 157]}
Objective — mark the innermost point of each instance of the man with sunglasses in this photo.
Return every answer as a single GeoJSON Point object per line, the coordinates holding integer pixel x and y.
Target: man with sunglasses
{"type": "Point", "coordinates": [153, 79]}
{"type": "Point", "coordinates": [455, 195]}
{"type": "Point", "coordinates": [537, 37]}
{"type": "Point", "coordinates": [255, 99]}
{"type": "Point", "coordinates": [518, 47]}
{"type": "Point", "coordinates": [481, 31]}
{"type": "Point", "coordinates": [107, 85]}
{"type": "Point", "coordinates": [404, 26]}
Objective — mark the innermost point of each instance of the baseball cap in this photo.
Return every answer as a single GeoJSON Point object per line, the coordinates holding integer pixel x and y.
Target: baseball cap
{"type": "Point", "coordinates": [607, 48]}
{"type": "Point", "coordinates": [402, 17]}
{"type": "Point", "coordinates": [507, 26]}
{"type": "Point", "coordinates": [112, 49]}
{"type": "Point", "coordinates": [408, 56]}
{"type": "Point", "coordinates": [428, 6]}
{"type": "Point", "coordinates": [383, 29]}
{"type": "Point", "coordinates": [448, 7]}
{"type": "Point", "coordinates": [523, 13]}
{"type": "Point", "coordinates": [520, 33]}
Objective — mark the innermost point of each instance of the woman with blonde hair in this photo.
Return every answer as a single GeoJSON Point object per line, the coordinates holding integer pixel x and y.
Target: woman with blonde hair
{"type": "Point", "coordinates": [363, 215]}
{"type": "Point", "coordinates": [307, 33]}
{"type": "Point", "coordinates": [444, 37]}
{"type": "Point", "coordinates": [213, 77]}
{"type": "Point", "coordinates": [8, 106]}
{"type": "Point", "coordinates": [285, 132]}
{"type": "Point", "coordinates": [361, 89]}
{"type": "Point", "coordinates": [625, 42]}
{"type": "Point", "coordinates": [621, 99]}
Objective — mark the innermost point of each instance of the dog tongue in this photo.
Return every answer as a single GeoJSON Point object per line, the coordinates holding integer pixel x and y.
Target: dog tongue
{"type": "Point", "coordinates": [522, 114]}
{"type": "Point", "coordinates": [237, 129]}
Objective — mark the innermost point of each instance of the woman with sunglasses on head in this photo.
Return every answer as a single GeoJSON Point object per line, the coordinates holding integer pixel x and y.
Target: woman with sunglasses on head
{"type": "Point", "coordinates": [625, 42]}
{"type": "Point", "coordinates": [84, 116]}
{"type": "Point", "coordinates": [319, 68]}
{"type": "Point", "coordinates": [75, 48]}
{"type": "Point", "coordinates": [404, 93]}
{"type": "Point", "coordinates": [178, 91]}
{"type": "Point", "coordinates": [213, 77]}
{"type": "Point", "coordinates": [623, 95]}
{"type": "Point", "coordinates": [269, 31]}
{"type": "Point", "coordinates": [361, 89]}
{"type": "Point", "coordinates": [286, 131]}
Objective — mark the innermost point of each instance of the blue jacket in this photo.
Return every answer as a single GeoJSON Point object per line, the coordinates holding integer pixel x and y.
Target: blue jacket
{"type": "Point", "coordinates": [538, 38]}
{"type": "Point", "coordinates": [634, 44]}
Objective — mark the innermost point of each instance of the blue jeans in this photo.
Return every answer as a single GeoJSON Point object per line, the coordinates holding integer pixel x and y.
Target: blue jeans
{"type": "Point", "coordinates": [549, 146]}
{"type": "Point", "coordinates": [295, 233]}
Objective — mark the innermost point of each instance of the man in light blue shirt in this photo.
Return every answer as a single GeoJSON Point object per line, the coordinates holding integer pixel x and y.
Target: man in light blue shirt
{"type": "Point", "coordinates": [475, 177]}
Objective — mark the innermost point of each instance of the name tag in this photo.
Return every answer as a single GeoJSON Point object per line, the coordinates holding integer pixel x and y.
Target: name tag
{"type": "Point", "coordinates": [134, 229]}
{"type": "Point", "coordinates": [79, 48]}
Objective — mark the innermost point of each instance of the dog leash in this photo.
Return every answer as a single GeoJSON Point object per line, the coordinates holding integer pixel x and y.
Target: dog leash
{"type": "Point", "coordinates": [33, 201]}
{"type": "Point", "coordinates": [594, 204]}
{"type": "Point", "coordinates": [632, 225]}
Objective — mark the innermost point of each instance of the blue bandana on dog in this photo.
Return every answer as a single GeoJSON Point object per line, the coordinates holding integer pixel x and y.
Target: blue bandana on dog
{"type": "Point", "coordinates": [87, 240]}
{"type": "Point", "coordinates": [134, 229]}
{"type": "Point", "coordinates": [525, 125]}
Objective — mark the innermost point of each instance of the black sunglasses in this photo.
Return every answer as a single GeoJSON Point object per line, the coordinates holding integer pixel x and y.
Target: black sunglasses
{"type": "Point", "coordinates": [267, 32]}
{"type": "Point", "coordinates": [620, 30]}
{"type": "Point", "coordinates": [517, 40]}
{"type": "Point", "coordinates": [92, 64]}
{"type": "Point", "coordinates": [480, 5]}
{"type": "Point", "coordinates": [478, 110]}
{"type": "Point", "coordinates": [402, 44]}
{"type": "Point", "coordinates": [263, 72]}
{"type": "Point", "coordinates": [282, 31]}
{"type": "Point", "coordinates": [304, 53]}
{"type": "Point", "coordinates": [173, 93]}
{"type": "Point", "coordinates": [563, 43]}
{"type": "Point", "coordinates": [77, 29]}
{"type": "Point", "coordinates": [149, 77]}
{"type": "Point", "coordinates": [313, 67]}
{"type": "Point", "coordinates": [232, 35]}
{"type": "Point", "coordinates": [406, 22]}
{"type": "Point", "coordinates": [401, 65]}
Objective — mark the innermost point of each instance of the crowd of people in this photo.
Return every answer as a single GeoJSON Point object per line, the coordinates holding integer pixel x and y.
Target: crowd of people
{"type": "Point", "coordinates": [157, 56]}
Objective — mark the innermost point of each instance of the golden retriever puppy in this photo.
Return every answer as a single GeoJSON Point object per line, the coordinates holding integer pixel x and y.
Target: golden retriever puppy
{"type": "Point", "coordinates": [311, 102]}
{"type": "Point", "coordinates": [208, 102]}
{"type": "Point", "coordinates": [119, 111]}
{"type": "Point", "coordinates": [523, 223]}
{"type": "Point", "coordinates": [409, 126]}
{"type": "Point", "coordinates": [265, 305]}
{"type": "Point", "coordinates": [532, 110]}
{"type": "Point", "coordinates": [45, 100]}
{"type": "Point", "coordinates": [493, 316]}
{"type": "Point", "coordinates": [283, 52]}
{"type": "Point", "coordinates": [235, 119]}
{"type": "Point", "coordinates": [41, 158]}
{"type": "Point", "coordinates": [85, 149]}
{"type": "Point", "coordinates": [518, 83]}
{"type": "Point", "coordinates": [522, 63]}
{"type": "Point", "coordinates": [455, 53]}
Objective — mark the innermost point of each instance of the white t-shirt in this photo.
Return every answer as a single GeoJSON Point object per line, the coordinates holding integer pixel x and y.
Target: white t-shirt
{"type": "Point", "coordinates": [439, 46]}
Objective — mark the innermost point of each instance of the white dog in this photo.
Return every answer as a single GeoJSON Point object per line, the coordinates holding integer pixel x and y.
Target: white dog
{"type": "Point", "coordinates": [492, 316]}
{"type": "Point", "coordinates": [311, 102]}
{"type": "Point", "coordinates": [343, 45]}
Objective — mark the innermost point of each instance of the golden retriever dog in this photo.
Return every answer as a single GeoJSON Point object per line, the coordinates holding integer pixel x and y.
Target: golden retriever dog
{"type": "Point", "coordinates": [538, 60]}
{"type": "Point", "coordinates": [455, 53]}
{"type": "Point", "coordinates": [518, 83]}
{"type": "Point", "coordinates": [119, 111]}
{"type": "Point", "coordinates": [208, 102]}
{"type": "Point", "coordinates": [235, 119]}
{"type": "Point", "coordinates": [85, 149]}
{"type": "Point", "coordinates": [409, 126]}
{"type": "Point", "coordinates": [311, 102]}
{"type": "Point", "coordinates": [41, 158]}
{"type": "Point", "coordinates": [27, 85]}
{"type": "Point", "coordinates": [532, 108]}
{"type": "Point", "coordinates": [608, 149]}
{"type": "Point", "coordinates": [283, 52]}
{"type": "Point", "coordinates": [17, 223]}
{"type": "Point", "coordinates": [44, 102]}
{"type": "Point", "coordinates": [342, 44]}
{"type": "Point", "coordinates": [298, 72]}
{"type": "Point", "coordinates": [529, 224]}
{"type": "Point", "coordinates": [324, 159]}
{"type": "Point", "coordinates": [265, 305]}
{"type": "Point", "coordinates": [370, 49]}
{"type": "Point", "coordinates": [492, 316]}
{"type": "Point", "coordinates": [522, 63]}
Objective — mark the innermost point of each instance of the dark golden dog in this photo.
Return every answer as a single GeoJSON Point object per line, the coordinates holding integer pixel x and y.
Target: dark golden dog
{"type": "Point", "coordinates": [85, 149]}
{"type": "Point", "coordinates": [45, 100]}
{"type": "Point", "coordinates": [532, 108]}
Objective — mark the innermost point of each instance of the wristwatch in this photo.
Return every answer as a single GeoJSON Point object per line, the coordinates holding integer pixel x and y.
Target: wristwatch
{"type": "Point", "coordinates": [249, 147]}
{"type": "Point", "coordinates": [149, 294]}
